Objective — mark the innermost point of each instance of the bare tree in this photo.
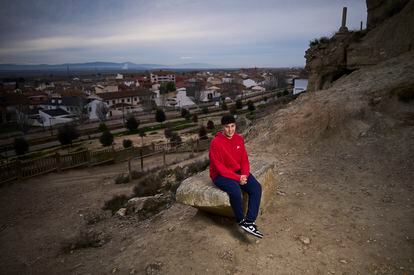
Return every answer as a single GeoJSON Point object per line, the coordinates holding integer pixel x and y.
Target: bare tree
{"type": "Point", "coordinates": [22, 118]}
{"type": "Point", "coordinates": [81, 111]}
{"type": "Point", "coordinates": [101, 111]}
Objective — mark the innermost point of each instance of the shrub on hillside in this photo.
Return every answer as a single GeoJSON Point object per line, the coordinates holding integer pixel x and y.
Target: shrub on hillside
{"type": "Point", "coordinates": [148, 186]}
{"type": "Point", "coordinates": [106, 138]}
{"type": "Point", "coordinates": [205, 110]}
{"type": "Point", "coordinates": [224, 106]}
{"type": "Point", "coordinates": [198, 166]}
{"type": "Point", "coordinates": [21, 146]}
{"type": "Point", "coordinates": [179, 174]}
{"type": "Point", "coordinates": [121, 178]}
{"type": "Point", "coordinates": [117, 201]}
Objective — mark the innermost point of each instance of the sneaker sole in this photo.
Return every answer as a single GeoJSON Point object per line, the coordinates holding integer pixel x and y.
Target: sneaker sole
{"type": "Point", "coordinates": [251, 232]}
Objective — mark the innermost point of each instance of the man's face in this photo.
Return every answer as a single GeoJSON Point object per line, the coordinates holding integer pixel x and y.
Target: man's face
{"type": "Point", "coordinates": [229, 129]}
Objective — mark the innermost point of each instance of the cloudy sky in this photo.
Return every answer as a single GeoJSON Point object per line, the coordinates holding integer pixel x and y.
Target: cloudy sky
{"type": "Point", "coordinates": [237, 33]}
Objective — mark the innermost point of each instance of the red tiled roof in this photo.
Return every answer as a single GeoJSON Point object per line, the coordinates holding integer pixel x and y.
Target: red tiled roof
{"type": "Point", "coordinates": [13, 99]}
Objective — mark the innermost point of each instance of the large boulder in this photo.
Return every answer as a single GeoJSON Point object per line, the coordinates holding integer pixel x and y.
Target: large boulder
{"type": "Point", "coordinates": [200, 192]}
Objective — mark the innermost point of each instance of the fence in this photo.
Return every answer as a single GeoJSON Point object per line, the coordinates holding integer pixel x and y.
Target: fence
{"type": "Point", "coordinates": [22, 169]}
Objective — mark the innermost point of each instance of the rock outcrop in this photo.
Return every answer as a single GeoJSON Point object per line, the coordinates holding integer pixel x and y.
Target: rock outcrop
{"type": "Point", "coordinates": [390, 33]}
{"type": "Point", "coordinates": [198, 191]}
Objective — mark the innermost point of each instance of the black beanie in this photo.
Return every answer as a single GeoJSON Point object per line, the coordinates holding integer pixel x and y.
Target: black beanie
{"type": "Point", "coordinates": [227, 119]}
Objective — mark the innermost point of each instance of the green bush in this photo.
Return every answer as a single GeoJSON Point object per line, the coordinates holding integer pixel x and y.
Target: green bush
{"type": "Point", "coordinates": [316, 41]}
{"type": "Point", "coordinates": [102, 127]}
{"type": "Point", "coordinates": [195, 118]}
{"type": "Point", "coordinates": [224, 106]}
{"type": "Point", "coordinates": [160, 116]}
{"type": "Point", "coordinates": [205, 110]}
{"type": "Point", "coordinates": [127, 143]}
{"type": "Point", "coordinates": [168, 133]}
{"type": "Point", "coordinates": [184, 112]}
{"type": "Point", "coordinates": [210, 125]}
{"type": "Point", "coordinates": [132, 123]}
{"type": "Point", "coordinates": [106, 138]}
{"type": "Point", "coordinates": [175, 138]}
{"type": "Point", "coordinates": [279, 94]}
{"type": "Point", "coordinates": [67, 133]}
{"type": "Point", "coordinates": [21, 146]}
{"type": "Point", "coordinates": [250, 106]}
{"type": "Point", "coordinates": [285, 92]}
{"type": "Point", "coordinates": [202, 132]}
{"type": "Point", "coordinates": [239, 104]}
{"type": "Point", "coordinates": [188, 116]}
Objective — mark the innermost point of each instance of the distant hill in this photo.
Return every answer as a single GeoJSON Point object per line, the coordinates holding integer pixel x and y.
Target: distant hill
{"type": "Point", "coordinates": [99, 66]}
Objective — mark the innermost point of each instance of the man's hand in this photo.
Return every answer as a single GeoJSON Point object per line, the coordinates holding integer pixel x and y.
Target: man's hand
{"type": "Point", "coordinates": [243, 179]}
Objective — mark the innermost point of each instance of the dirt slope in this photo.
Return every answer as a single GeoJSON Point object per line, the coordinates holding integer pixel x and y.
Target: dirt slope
{"type": "Point", "coordinates": [344, 167]}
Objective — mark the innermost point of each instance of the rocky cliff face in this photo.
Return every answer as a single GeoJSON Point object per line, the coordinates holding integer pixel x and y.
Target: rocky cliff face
{"type": "Point", "coordinates": [390, 33]}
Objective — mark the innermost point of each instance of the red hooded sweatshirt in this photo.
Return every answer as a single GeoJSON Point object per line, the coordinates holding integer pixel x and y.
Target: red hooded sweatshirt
{"type": "Point", "coordinates": [228, 156]}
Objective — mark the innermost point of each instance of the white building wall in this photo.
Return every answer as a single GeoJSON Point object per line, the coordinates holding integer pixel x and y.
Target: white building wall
{"type": "Point", "coordinates": [299, 85]}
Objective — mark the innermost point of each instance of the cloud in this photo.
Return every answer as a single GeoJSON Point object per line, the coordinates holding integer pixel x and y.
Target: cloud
{"type": "Point", "coordinates": [158, 31]}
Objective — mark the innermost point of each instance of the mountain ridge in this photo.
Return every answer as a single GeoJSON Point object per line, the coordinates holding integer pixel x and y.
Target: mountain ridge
{"type": "Point", "coordinates": [102, 65]}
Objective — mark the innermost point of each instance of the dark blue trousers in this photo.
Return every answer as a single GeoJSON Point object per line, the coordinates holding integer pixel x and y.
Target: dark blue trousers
{"type": "Point", "coordinates": [233, 189]}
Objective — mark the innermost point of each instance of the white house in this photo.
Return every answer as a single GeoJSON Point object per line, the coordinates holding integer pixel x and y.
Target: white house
{"type": "Point", "coordinates": [122, 101]}
{"type": "Point", "coordinates": [210, 95]}
{"type": "Point", "coordinates": [299, 85]}
{"type": "Point", "coordinates": [183, 100]}
{"type": "Point", "coordinates": [248, 83]}
{"type": "Point", "coordinates": [55, 116]}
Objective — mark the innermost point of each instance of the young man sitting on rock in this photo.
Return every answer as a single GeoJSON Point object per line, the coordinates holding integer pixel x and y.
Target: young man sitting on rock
{"type": "Point", "coordinates": [230, 171]}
